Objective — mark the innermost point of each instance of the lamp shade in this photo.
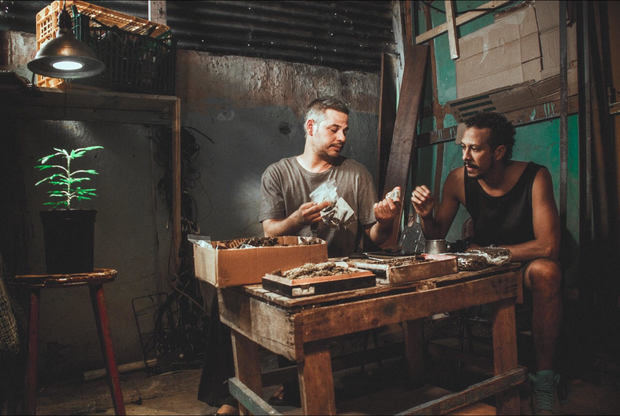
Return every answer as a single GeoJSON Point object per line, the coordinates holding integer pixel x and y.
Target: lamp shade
{"type": "Point", "coordinates": [65, 56]}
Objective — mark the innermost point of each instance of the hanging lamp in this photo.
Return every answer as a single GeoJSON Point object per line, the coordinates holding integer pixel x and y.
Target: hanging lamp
{"type": "Point", "coordinates": [65, 56]}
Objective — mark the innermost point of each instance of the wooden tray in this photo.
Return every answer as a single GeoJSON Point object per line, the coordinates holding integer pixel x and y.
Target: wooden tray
{"type": "Point", "coordinates": [434, 266]}
{"type": "Point", "coordinates": [319, 285]}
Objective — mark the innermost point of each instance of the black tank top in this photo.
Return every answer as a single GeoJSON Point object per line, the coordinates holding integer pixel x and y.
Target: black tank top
{"type": "Point", "coordinates": [505, 219]}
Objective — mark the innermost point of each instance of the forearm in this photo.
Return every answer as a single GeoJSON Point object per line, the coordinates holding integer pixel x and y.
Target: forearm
{"type": "Point", "coordinates": [286, 226]}
{"type": "Point", "coordinates": [534, 249]}
{"type": "Point", "coordinates": [380, 232]}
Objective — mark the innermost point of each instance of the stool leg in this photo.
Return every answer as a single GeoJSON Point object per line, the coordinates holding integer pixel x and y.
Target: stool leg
{"type": "Point", "coordinates": [103, 325]}
{"type": "Point", "coordinates": [33, 343]}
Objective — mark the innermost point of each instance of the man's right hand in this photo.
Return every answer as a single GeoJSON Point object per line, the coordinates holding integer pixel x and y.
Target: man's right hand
{"type": "Point", "coordinates": [423, 201]}
{"type": "Point", "coordinates": [309, 213]}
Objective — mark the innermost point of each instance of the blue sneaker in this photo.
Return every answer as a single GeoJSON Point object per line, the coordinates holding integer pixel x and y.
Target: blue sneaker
{"type": "Point", "coordinates": [543, 391]}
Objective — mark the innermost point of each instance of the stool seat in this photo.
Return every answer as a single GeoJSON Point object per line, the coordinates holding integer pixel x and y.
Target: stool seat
{"type": "Point", "coordinates": [64, 279]}
{"type": "Point", "coordinates": [95, 280]}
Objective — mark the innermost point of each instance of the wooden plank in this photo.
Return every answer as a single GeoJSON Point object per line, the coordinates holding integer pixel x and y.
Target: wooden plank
{"type": "Point", "coordinates": [248, 399]}
{"type": "Point", "coordinates": [387, 116]}
{"type": "Point", "coordinates": [247, 364]}
{"type": "Point", "coordinates": [157, 11]}
{"type": "Point", "coordinates": [176, 189]}
{"type": "Point", "coordinates": [405, 125]}
{"type": "Point", "coordinates": [406, 117]}
{"type": "Point", "coordinates": [316, 382]}
{"type": "Point", "coordinates": [414, 349]}
{"type": "Point", "coordinates": [505, 354]}
{"type": "Point", "coordinates": [464, 18]}
{"type": "Point", "coordinates": [472, 394]}
{"type": "Point", "coordinates": [53, 104]}
{"type": "Point", "coordinates": [330, 321]}
{"type": "Point", "coordinates": [451, 22]}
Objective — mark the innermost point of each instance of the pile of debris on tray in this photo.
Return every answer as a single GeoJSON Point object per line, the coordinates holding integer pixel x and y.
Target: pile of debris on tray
{"type": "Point", "coordinates": [253, 242]}
{"type": "Point", "coordinates": [328, 268]}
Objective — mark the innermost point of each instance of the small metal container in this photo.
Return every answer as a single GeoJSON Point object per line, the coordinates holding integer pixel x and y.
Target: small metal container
{"type": "Point", "coordinates": [436, 246]}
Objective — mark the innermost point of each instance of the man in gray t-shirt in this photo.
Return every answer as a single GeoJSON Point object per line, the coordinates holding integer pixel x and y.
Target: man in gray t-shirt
{"type": "Point", "coordinates": [286, 205]}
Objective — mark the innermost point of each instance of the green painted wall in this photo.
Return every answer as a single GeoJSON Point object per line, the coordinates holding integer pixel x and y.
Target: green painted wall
{"type": "Point", "coordinates": [538, 142]}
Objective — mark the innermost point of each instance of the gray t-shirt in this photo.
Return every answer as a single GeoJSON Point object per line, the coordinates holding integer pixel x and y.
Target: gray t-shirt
{"type": "Point", "coordinates": [285, 185]}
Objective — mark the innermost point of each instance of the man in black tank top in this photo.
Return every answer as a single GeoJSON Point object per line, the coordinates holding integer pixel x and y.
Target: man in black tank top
{"type": "Point", "coordinates": [511, 204]}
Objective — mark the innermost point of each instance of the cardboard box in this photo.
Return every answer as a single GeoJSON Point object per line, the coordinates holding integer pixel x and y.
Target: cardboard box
{"type": "Point", "coordinates": [224, 267]}
{"type": "Point", "coordinates": [522, 45]}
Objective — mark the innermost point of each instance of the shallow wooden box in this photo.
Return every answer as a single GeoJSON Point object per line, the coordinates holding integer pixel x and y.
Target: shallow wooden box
{"type": "Point", "coordinates": [434, 266]}
{"type": "Point", "coordinates": [319, 285]}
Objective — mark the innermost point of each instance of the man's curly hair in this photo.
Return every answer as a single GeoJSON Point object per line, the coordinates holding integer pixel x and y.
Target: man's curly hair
{"type": "Point", "coordinates": [502, 130]}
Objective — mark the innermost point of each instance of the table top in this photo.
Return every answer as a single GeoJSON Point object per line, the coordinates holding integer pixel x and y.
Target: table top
{"type": "Point", "coordinates": [380, 289]}
{"type": "Point", "coordinates": [98, 275]}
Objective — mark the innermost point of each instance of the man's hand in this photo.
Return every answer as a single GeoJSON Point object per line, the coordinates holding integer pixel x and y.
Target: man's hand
{"type": "Point", "coordinates": [423, 201]}
{"type": "Point", "coordinates": [309, 213]}
{"type": "Point", "coordinates": [387, 209]}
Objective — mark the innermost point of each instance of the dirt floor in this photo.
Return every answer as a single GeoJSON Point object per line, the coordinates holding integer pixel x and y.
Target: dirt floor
{"type": "Point", "coordinates": [378, 387]}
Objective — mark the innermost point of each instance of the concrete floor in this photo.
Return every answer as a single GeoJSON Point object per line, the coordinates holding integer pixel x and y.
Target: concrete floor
{"type": "Point", "coordinates": [174, 393]}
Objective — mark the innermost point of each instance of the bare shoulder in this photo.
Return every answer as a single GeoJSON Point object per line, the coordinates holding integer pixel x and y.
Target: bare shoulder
{"type": "Point", "coordinates": [455, 184]}
{"type": "Point", "coordinates": [543, 177]}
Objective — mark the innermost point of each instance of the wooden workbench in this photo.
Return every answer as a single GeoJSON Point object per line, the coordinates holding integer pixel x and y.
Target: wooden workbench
{"type": "Point", "coordinates": [300, 330]}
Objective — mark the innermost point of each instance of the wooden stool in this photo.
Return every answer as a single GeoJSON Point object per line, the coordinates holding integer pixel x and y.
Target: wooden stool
{"type": "Point", "coordinates": [95, 281]}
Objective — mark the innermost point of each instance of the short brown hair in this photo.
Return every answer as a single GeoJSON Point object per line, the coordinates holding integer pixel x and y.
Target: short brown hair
{"type": "Point", "coordinates": [316, 108]}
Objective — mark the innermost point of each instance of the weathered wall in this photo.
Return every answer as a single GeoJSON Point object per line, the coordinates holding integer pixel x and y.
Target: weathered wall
{"type": "Point", "coordinates": [250, 108]}
{"type": "Point", "coordinates": [253, 111]}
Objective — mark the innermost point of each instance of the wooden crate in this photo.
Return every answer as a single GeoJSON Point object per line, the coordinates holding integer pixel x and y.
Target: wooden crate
{"type": "Point", "coordinates": [47, 27]}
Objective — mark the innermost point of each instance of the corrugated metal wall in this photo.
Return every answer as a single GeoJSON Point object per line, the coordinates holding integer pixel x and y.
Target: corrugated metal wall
{"type": "Point", "coordinates": [347, 35]}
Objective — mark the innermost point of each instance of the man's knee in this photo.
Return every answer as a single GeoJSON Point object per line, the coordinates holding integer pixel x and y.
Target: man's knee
{"type": "Point", "coordinates": [544, 276]}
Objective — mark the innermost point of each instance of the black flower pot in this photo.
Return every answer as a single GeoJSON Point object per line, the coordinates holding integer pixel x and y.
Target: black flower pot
{"type": "Point", "coordinates": [69, 240]}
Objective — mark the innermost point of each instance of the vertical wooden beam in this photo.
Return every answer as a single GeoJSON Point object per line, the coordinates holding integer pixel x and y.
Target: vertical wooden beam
{"type": "Point", "coordinates": [505, 354]}
{"type": "Point", "coordinates": [247, 364]}
{"type": "Point", "coordinates": [408, 22]}
{"type": "Point", "coordinates": [438, 110]}
{"type": "Point", "coordinates": [316, 380]}
{"type": "Point", "coordinates": [176, 188]}
{"type": "Point", "coordinates": [414, 349]}
{"type": "Point", "coordinates": [563, 119]}
{"type": "Point", "coordinates": [451, 22]}
{"type": "Point", "coordinates": [405, 125]}
{"type": "Point", "coordinates": [158, 12]}
{"type": "Point", "coordinates": [387, 115]}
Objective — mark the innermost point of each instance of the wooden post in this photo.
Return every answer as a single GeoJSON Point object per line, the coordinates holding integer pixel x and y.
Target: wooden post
{"type": "Point", "coordinates": [405, 127]}
{"type": "Point", "coordinates": [176, 188]}
{"type": "Point", "coordinates": [247, 364]}
{"type": "Point", "coordinates": [158, 12]}
{"type": "Point", "coordinates": [414, 349]}
{"type": "Point", "coordinates": [316, 381]}
{"type": "Point", "coordinates": [451, 22]}
{"type": "Point", "coordinates": [505, 354]}
{"type": "Point", "coordinates": [33, 353]}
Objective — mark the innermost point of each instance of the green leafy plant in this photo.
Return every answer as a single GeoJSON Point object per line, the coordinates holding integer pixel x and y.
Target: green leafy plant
{"type": "Point", "coordinates": [66, 181]}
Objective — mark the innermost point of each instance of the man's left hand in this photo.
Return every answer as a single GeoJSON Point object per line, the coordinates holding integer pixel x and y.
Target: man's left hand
{"type": "Point", "coordinates": [387, 209]}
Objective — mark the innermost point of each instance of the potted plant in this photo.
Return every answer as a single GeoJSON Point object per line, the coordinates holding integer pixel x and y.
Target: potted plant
{"type": "Point", "coordinates": [69, 233]}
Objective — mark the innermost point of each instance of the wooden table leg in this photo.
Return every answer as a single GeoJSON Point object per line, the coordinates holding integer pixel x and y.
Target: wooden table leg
{"type": "Point", "coordinates": [247, 364]}
{"type": "Point", "coordinates": [103, 325]}
{"type": "Point", "coordinates": [316, 381]}
{"type": "Point", "coordinates": [414, 349]}
{"type": "Point", "coordinates": [505, 354]}
{"type": "Point", "coordinates": [33, 351]}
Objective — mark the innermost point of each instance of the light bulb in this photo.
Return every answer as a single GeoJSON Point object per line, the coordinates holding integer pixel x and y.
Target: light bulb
{"type": "Point", "coordinates": [67, 65]}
